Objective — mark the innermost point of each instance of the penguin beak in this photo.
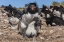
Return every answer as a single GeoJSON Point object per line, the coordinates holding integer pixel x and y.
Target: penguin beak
{"type": "Point", "coordinates": [32, 8]}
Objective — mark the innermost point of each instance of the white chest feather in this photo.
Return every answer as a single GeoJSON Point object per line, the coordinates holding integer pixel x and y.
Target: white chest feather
{"type": "Point", "coordinates": [57, 13]}
{"type": "Point", "coordinates": [13, 20]}
{"type": "Point", "coordinates": [63, 16]}
{"type": "Point", "coordinates": [48, 16]}
{"type": "Point", "coordinates": [23, 25]}
{"type": "Point", "coordinates": [27, 18]}
{"type": "Point", "coordinates": [31, 29]}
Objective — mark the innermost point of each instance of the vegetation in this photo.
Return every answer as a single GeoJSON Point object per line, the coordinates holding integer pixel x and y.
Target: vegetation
{"type": "Point", "coordinates": [58, 4]}
{"type": "Point", "coordinates": [62, 3]}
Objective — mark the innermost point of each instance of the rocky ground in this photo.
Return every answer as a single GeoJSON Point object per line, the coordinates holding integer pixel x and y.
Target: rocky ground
{"type": "Point", "coordinates": [47, 34]}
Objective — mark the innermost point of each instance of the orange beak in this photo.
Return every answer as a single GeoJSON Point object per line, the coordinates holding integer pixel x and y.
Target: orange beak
{"type": "Point", "coordinates": [32, 8]}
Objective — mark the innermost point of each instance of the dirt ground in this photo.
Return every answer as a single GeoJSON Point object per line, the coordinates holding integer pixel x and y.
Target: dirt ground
{"type": "Point", "coordinates": [47, 33]}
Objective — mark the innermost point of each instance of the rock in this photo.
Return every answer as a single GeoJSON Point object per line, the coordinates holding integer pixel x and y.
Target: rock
{"type": "Point", "coordinates": [60, 28]}
{"type": "Point", "coordinates": [4, 14]}
{"type": "Point", "coordinates": [42, 38]}
{"type": "Point", "coordinates": [0, 14]}
{"type": "Point", "coordinates": [42, 31]}
{"type": "Point", "coordinates": [14, 26]}
{"type": "Point", "coordinates": [1, 33]}
{"type": "Point", "coordinates": [9, 27]}
{"type": "Point", "coordinates": [54, 36]}
{"type": "Point", "coordinates": [58, 36]}
{"type": "Point", "coordinates": [2, 21]}
{"type": "Point", "coordinates": [6, 21]}
{"type": "Point", "coordinates": [4, 27]}
{"type": "Point", "coordinates": [1, 17]}
{"type": "Point", "coordinates": [51, 31]}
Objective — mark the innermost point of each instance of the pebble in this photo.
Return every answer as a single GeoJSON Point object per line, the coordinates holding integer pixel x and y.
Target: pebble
{"type": "Point", "coordinates": [6, 21]}
{"type": "Point", "coordinates": [60, 28]}
{"type": "Point", "coordinates": [42, 31]}
{"type": "Point", "coordinates": [1, 33]}
{"type": "Point", "coordinates": [14, 27]}
{"type": "Point", "coordinates": [4, 27]}
{"type": "Point", "coordinates": [58, 36]}
{"type": "Point", "coordinates": [42, 38]}
{"type": "Point", "coordinates": [2, 21]}
{"type": "Point", "coordinates": [51, 31]}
